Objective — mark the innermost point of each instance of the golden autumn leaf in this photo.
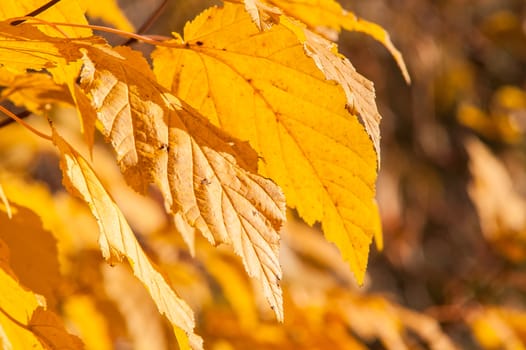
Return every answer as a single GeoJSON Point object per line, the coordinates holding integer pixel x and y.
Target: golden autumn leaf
{"type": "Point", "coordinates": [110, 12]}
{"type": "Point", "coordinates": [64, 11]}
{"type": "Point", "coordinates": [499, 327]}
{"type": "Point", "coordinates": [35, 91]}
{"type": "Point", "coordinates": [201, 172]}
{"type": "Point", "coordinates": [88, 322]}
{"type": "Point", "coordinates": [24, 323]}
{"type": "Point", "coordinates": [25, 47]}
{"type": "Point", "coordinates": [261, 87]}
{"type": "Point", "coordinates": [359, 91]}
{"type": "Point", "coordinates": [324, 17]}
{"type": "Point", "coordinates": [33, 252]}
{"type": "Point", "coordinates": [117, 241]}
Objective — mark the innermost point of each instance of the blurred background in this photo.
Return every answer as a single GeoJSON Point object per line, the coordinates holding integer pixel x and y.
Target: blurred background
{"type": "Point", "coordinates": [452, 183]}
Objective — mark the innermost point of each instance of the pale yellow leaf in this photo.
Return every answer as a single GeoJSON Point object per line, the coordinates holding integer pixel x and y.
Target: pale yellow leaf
{"type": "Point", "coordinates": [261, 87]}
{"type": "Point", "coordinates": [201, 171]}
{"type": "Point", "coordinates": [117, 240]}
{"type": "Point", "coordinates": [501, 210]}
{"type": "Point", "coordinates": [145, 325]}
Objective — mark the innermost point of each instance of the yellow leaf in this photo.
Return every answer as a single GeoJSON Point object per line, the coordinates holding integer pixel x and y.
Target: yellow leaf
{"type": "Point", "coordinates": [33, 250]}
{"type": "Point", "coordinates": [358, 90]}
{"type": "Point", "coordinates": [201, 171]}
{"type": "Point", "coordinates": [88, 322]}
{"type": "Point", "coordinates": [26, 47]}
{"type": "Point", "coordinates": [117, 241]}
{"type": "Point", "coordinates": [261, 87]}
{"type": "Point", "coordinates": [64, 11]}
{"type": "Point", "coordinates": [499, 328]}
{"type": "Point", "coordinates": [109, 12]}
{"type": "Point", "coordinates": [4, 201]}
{"type": "Point", "coordinates": [24, 324]}
{"type": "Point", "coordinates": [325, 17]}
{"type": "Point", "coordinates": [34, 91]}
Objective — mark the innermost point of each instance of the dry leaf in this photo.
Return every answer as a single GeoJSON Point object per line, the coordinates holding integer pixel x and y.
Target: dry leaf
{"type": "Point", "coordinates": [117, 241]}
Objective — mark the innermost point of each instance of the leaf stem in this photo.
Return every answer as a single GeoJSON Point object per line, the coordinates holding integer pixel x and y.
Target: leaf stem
{"type": "Point", "coordinates": [23, 123]}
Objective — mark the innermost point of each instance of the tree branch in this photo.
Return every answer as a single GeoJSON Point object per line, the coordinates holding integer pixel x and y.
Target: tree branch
{"type": "Point", "coordinates": [36, 12]}
{"type": "Point", "coordinates": [153, 17]}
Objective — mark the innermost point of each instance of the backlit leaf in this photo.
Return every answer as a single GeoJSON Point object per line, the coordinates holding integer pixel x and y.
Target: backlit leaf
{"type": "Point", "coordinates": [200, 170]}
{"type": "Point", "coordinates": [25, 47]}
{"type": "Point", "coordinates": [24, 324]}
{"type": "Point", "coordinates": [261, 87]}
{"type": "Point", "coordinates": [35, 91]}
{"type": "Point", "coordinates": [33, 252]}
{"type": "Point", "coordinates": [117, 241]}
{"type": "Point", "coordinates": [63, 11]}
{"type": "Point", "coordinates": [325, 17]}
{"type": "Point", "coordinates": [110, 12]}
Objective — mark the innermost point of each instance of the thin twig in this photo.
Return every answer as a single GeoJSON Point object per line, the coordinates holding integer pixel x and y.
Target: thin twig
{"type": "Point", "coordinates": [153, 17]}
{"type": "Point", "coordinates": [21, 115]}
{"type": "Point", "coordinates": [36, 12]}
{"type": "Point", "coordinates": [23, 123]}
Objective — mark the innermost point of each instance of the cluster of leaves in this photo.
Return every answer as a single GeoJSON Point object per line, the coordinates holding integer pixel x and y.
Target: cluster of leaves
{"type": "Point", "coordinates": [254, 95]}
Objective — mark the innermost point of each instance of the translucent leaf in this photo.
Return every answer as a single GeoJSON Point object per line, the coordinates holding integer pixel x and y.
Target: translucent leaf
{"type": "Point", "coordinates": [359, 91]}
{"type": "Point", "coordinates": [325, 17]}
{"type": "Point", "coordinates": [82, 312]}
{"type": "Point", "coordinates": [200, 170]}
{"type": "Point", "coordinates": [24, 324]}
{"type": "Point", "coordinates": [25, 47]}
{"type": "Point", "coordinates": [109, 12]}
{"type": "Point", "coordinates": [64, 11]}
{"type": "Point", "coordinates": [34, 91]}
{"type": "Point", "coordinates": [261, 87]}
{"type": "Point", "coordinates": [117, 241]}
{"type": "Point", "coordinates": [33, 252]}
